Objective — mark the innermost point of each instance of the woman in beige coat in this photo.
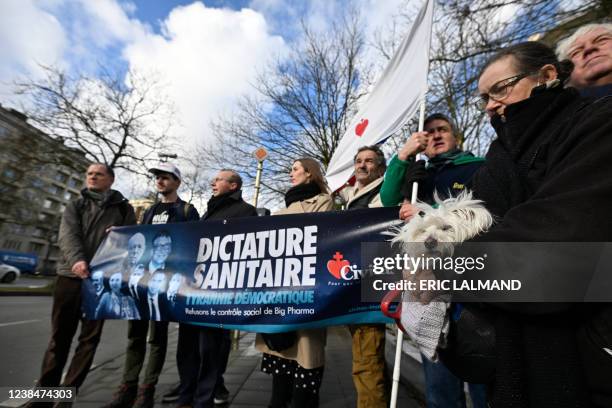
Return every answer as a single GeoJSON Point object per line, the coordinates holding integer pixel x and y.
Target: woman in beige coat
{"type": "Point", "coordinates": [298, 370]}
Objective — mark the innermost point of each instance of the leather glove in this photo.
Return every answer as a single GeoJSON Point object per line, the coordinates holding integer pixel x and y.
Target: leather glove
{"type": "Point", "coordinates": [416, 172]}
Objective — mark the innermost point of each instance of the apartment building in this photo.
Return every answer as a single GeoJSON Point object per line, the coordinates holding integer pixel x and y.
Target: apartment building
{"type": "Point", "coordinates": [39, 175]}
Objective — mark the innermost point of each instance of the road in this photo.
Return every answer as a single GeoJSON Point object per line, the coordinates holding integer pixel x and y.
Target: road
{"type": "Point", "coordinates": [24, 334]}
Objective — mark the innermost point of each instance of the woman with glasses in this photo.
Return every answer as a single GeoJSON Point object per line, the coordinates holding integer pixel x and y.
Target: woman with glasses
{"type": "Point", "coordinates": [548, 178]}
{"type": "Point", "coordinates": [297, 365]}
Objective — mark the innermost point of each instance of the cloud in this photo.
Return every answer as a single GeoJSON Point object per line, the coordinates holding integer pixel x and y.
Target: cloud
{"type": "Point", "coordinates": [29, 36]}
{"type": "Point", "coordinates": [208, 56]}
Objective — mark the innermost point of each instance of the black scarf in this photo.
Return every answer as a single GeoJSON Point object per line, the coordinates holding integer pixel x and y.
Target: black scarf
{"type": "Point", "coordinates": [301, 192]}
{"type": "Point", "coordinates": [219, 201]}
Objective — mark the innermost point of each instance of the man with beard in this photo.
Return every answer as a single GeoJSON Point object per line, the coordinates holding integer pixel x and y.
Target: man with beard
{"type": "Point", "coordinates": [169, 209]}
{"type": "Point", "coordinates": [201, 368]}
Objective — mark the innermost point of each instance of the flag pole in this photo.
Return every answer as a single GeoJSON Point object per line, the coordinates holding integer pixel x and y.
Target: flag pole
{"type": "Point", "coordinates": [400, 334]}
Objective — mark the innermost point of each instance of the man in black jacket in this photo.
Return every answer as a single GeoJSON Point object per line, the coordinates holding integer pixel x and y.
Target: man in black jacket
{"type": "Point", "coordinates": [169, 209]}
{"type": "Point", "coordinates": [201, 368]}
{"type": "Point", "coordinates": [84, 225]}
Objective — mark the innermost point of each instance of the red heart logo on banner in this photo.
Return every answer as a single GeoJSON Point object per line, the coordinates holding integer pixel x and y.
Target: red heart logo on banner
{"type": "Point", "coordinates": [361, 127]}
{"type": "Point", "coordinates": [334, 266]}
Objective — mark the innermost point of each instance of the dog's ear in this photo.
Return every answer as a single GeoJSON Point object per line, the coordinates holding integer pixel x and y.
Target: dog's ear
{"type": "Point", "coordinates": [477, 216]}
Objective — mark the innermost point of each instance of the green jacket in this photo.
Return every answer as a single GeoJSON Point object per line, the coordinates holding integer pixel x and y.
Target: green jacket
{"type": "Point", "coordinates": [448, 173]}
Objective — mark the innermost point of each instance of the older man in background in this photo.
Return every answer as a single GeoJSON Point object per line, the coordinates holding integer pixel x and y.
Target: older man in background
{"type": "Point", "coordinates": [590, 50]}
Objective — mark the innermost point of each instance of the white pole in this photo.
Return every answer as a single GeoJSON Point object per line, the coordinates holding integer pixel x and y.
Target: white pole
{"type": "Point", "coordinates": [400, 334]}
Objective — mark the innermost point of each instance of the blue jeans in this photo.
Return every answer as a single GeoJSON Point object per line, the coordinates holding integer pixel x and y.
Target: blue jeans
{"type": "Point", "coordinates": [444, 390]}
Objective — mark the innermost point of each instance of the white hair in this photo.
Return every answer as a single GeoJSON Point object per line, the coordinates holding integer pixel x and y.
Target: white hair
{"type": "Point", "coordinates": [564, 45]}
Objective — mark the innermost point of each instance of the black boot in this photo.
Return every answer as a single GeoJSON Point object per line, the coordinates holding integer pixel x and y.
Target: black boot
{"type": "Point", "coordinates": [282, 386]}
{"type": "Point", "coordinates": [304, 399]}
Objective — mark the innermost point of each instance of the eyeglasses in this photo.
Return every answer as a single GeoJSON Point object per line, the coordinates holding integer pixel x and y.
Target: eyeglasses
{"type": "Point", "coordinates": [499, 90]}
{"type": "Point", "coordinates": [216, 179]}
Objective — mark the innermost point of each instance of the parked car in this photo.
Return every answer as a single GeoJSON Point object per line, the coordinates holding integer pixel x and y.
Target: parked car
{"type": "Point", "coordinates": [8, 273]}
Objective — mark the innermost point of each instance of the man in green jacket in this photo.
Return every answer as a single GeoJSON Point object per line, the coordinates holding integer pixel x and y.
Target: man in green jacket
{"type": "Point", "coordinates": [448, 172]}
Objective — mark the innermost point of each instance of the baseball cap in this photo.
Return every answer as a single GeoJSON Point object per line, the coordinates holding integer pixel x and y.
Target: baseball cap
{"type": "Point", "coordinates": [166, 168]}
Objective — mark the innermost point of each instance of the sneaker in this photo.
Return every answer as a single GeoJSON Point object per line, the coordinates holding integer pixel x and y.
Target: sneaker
{"type": "Point", "coordinates": [221, 395]}
{"type": "Point", "coordinates": [145, 398]}
{"type": "Point", "coordinates": [172, 395]}
{"type": "Point", "coordinates": [124, 397]}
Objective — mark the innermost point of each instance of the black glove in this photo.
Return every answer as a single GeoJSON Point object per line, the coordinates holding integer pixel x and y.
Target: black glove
{"type": "Point", "coordinates": [416, 172]}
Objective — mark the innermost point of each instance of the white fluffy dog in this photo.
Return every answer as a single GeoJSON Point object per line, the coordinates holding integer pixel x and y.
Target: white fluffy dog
{"type": "Point", "coordinates": [435, 229]}
{"type": "Point", "coordinates": [433, 233]}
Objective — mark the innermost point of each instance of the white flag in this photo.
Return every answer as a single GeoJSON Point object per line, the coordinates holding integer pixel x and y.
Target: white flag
{"type": "Point", "coordinates": [394, 100]}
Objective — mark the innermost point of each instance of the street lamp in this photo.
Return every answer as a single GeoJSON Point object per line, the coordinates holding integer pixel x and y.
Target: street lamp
{"type": "Point", "coordinates": [165, 156]}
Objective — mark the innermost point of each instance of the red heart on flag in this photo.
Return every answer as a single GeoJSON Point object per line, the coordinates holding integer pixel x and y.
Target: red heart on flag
{"type": "Point", "coordinates": [334, 267]}
{"type": "Point", "coordinates": [361, 127]}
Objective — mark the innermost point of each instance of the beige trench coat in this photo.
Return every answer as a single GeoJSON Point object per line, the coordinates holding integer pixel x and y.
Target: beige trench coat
{"type": "Point", "coordinates": [309, 349]}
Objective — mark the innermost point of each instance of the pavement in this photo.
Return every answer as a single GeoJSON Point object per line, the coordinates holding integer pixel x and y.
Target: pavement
{"type": "Point", "coordinates": [248, 386]}
{"type": "Point", "coordinates": [28, 285]}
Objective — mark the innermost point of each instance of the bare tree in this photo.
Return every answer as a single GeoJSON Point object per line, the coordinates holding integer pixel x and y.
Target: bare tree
{"type": "Point", "coordinates": [301, 108]}
{"type": "Point", "coordinates": [117, 118]}
{"type": "Point", "coordinates": [465, 33]}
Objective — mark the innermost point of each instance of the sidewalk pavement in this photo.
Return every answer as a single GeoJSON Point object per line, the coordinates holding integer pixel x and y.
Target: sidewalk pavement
{"type": "Point", "coordinates": [248, 386]}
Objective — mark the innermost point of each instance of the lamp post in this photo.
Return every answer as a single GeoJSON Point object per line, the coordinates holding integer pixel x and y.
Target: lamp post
{"type": "Point", "coordinates": [260, 154]}
{"type": "Point", "coordinates": [163, 157]}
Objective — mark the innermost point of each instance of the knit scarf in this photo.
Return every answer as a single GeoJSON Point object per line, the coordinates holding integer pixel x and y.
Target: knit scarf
{"type": "Point", "coordinates": [301, 192]}
{"type": "Point", "coordinates": [441, 160]}
{"type": "Point", "coordinates": [219, 201]}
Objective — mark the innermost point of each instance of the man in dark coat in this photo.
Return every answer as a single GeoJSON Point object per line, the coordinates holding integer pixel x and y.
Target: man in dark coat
{"type": "Point", "coordinates": [84, 225]}
{"type": "Point", "coordinates": [201, 368]}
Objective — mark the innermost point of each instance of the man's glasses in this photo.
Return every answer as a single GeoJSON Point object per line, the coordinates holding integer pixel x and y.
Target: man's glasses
{"type": "Point", "coordinates": [499, 90]}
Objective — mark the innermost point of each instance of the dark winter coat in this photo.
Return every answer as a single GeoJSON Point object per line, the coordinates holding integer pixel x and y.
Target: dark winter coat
{"type": "Point", "coordinates": [230, 205]}
{"type": "Point", "coordinates": [84, 224]}
{"type": "Point", "coordinates": [548, 177]}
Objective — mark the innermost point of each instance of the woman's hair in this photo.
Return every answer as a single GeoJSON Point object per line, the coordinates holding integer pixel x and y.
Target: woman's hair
{"type": "Point", "coordinates": [316, 175]}
{"type": "Point", "coordinates": [530, 56]}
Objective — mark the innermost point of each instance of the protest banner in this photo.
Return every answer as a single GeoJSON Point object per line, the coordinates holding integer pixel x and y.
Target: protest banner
{"type": "Point", "coordinates": [264, 274]}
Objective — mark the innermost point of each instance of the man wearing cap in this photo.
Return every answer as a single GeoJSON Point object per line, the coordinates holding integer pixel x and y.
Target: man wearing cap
{"type": "Point", "coordinates": [169, 209]}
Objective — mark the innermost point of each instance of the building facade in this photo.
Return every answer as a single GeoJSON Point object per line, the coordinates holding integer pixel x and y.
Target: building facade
{"type": "Point", "coordinates": [39, 175]}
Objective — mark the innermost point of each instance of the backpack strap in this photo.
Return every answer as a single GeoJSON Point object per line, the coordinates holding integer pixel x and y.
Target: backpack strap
{"type": "Point", "coordinates": [186, 209]}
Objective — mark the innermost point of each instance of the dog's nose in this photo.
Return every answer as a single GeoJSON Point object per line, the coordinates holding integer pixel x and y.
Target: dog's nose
{"type": "Point", "coordinates": [430, 243]}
